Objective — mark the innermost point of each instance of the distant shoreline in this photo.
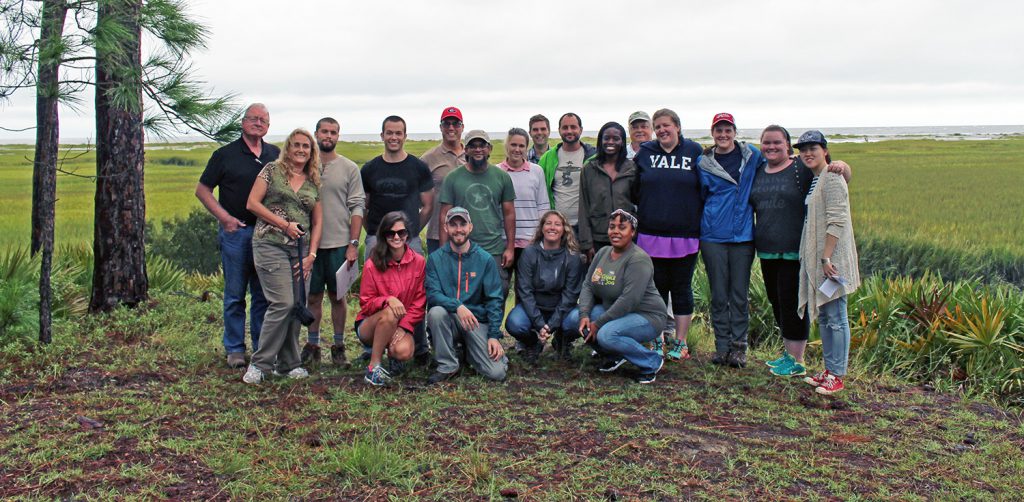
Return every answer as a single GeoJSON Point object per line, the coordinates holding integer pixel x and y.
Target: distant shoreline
{"type": "Point", "coordinates": [835, 134]}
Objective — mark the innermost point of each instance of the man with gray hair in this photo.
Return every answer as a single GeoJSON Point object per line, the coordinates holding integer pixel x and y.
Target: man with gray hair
{"type": "Point", "coordinates": [233, 169]}
{"type": "Point", "coordinates": [639, 132]}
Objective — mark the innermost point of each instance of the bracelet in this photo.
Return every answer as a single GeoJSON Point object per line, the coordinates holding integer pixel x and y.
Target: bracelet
{"type": "Point", "coordinates": [826, 261]}
{"type": "Point", "coordinates": [313, 254]}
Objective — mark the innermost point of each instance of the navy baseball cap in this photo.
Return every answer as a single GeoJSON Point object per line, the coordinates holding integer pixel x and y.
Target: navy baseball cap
{"type": "Point", "coordinates": [811, 137]}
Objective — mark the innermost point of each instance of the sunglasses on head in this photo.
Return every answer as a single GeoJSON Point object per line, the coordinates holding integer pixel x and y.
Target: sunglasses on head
{"type": "Point", "coordinates": [625, 214]}
{"type": "Point", "coordinates": [390, 234]}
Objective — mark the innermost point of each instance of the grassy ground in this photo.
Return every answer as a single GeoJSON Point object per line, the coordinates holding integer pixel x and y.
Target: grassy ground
{"type": "Point", "coordinates": [138, 405]}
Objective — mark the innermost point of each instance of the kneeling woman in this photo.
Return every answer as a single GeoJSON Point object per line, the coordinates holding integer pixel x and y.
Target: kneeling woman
{"type": "Point", "coordinates": [548, 278]}
{"type": "Point", "coordinates": [392, 298]}
{"type": "Point", "coordinates": [827, 252]}
{"type": "Point", "coordinates": [619, 304]}
{"type": "Point", "coordinates": [286, 199]}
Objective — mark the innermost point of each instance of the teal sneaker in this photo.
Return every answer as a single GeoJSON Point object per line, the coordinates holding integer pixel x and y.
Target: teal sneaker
{"type": "Point", "coordinates": [679, 351]}
{"type": "Point", "coordinates": [789, 368]}
{"type": "Point", "coordinates": [774, 363]}
{"type": "Point", "coordinates": [658, 346]}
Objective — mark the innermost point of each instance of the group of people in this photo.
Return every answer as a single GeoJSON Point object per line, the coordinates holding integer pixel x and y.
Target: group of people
{"type": "Point", "coordinates": [602, 242]}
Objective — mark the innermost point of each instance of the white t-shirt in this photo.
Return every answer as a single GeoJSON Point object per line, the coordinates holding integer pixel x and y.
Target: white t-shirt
{"type": "Point", "coordinates": [566, 185]}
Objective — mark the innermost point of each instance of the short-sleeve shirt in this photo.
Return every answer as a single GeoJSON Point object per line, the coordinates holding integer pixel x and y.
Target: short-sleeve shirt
{"type": "Point", "coordinates": [482, 195]}
{"type": "Point", "coordinates": [441, 161]}
{"type": "Point", "coordinates": [233, 169]}
{"type": "Point", "coordinates": [566, 185]}
{"type": "Point", "coordinates": [778, 201]}
{"type": "Point", "coordinates": [395, 186]}
{"type": "Point", "coordinates": [281, 200]}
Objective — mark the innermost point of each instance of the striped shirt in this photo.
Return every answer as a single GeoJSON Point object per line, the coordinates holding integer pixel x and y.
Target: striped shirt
{"type": "Point", "coordinates": [531, 199]}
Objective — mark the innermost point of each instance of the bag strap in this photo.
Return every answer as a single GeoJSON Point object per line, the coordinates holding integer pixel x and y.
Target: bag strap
{"type": "Point", "coordinates": [302, 279]}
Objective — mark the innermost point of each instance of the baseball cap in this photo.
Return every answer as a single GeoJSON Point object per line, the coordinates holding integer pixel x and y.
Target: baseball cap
{"type": "Point", "coordinates": [811, 137]}
{"type": "Point", "coordinates": [451, 111]}
{"type": "Point", "coordinates": [457, 212]}
{"type": "Point", "coordinates": [638, 115]}
{"type": "Point", "coordinates": [476, 134]}
{"type": "Point", "coordinates": [723, 117]}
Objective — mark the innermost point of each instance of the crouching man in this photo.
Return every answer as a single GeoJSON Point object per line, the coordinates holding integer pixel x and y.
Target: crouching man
{"type": "Point", "coordinates": [464, 292]}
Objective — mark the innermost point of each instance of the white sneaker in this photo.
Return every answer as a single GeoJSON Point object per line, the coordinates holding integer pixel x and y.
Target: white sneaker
{"type": "Point", "coordinates": [253, 375]}
{"type": "Point", "coordinates": [298, 373]}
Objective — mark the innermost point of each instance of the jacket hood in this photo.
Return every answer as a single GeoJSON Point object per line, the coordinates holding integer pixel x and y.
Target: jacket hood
{"type": "Point", "coordinates": [708, 164]}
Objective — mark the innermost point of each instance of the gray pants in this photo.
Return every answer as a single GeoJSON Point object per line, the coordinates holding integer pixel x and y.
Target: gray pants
{"type": "Point", "coordinates": [728, 268]}
{"type": "Point", "coordinates": [445, 329]}
{"type": "Point", "coordinates": [279, 340]}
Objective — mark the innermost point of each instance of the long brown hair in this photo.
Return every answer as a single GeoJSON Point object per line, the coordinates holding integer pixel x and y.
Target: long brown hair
{"type": "Point", "coordinates": [568, 237]}
{"type": "Point", "coordinates": [379, 254]}
{"type": "Point", "coordinates": [312, 167]}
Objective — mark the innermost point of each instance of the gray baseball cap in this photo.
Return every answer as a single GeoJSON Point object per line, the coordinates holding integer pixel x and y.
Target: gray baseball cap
{"type": "Point", "coordinates": [639, 115]}
{"type": "Point", "coordinates": [457, 212]}
{"type": "Point", "coordinates": [476, 134]}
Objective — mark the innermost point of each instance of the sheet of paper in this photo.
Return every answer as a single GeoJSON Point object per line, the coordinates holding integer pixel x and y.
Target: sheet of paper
{"type": "Point", "coordinates": [345, 276]}
{"type": "Point", "coordinates": [830, 286]}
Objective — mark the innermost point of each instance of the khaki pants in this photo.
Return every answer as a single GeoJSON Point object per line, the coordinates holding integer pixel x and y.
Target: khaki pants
{"type": "Point", "coordinates": [279, 340]}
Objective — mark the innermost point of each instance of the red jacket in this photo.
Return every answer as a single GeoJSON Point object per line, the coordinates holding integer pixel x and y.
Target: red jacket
{"type": "Point", "coordinates": [403, 280]}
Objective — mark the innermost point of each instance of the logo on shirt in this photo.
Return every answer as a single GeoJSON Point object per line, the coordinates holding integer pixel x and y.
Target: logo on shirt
{"type": "Point", "coordinates": [602, 279]}
{"type": "Point", "coordinates": [671, 162]}
{"type": "Point", "coordinates": [392, 187]}
{"type": "Point", "coordinates": [480, 197]}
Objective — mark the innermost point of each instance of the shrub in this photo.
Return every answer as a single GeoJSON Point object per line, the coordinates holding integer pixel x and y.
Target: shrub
{"type": "Point", "coordinates": [189, 243]}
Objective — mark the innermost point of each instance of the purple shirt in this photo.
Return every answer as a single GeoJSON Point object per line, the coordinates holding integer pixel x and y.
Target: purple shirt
{"type": "Point", "coordinates": [667, 247]}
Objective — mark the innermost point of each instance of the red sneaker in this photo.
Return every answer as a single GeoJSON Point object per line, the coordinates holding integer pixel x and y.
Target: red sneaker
{"type": "Point", "coordinates": [817, 379]}
{"type": "Point", "coordinates": [831, 385]}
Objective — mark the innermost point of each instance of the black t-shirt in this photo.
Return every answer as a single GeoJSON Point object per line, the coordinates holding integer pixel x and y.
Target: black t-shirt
{"type": "Point", "coordinates": [395, 187]}
{"type": "Point", "coordinates": [233, 168]}
{"type": "Point", "coordinates": [778, 201]}
{"type": "Point", "coordinates": [731, 162]}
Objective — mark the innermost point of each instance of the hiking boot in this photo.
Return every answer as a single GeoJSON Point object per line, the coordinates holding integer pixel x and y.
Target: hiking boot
{"type": "Point", "coordinates": [531, 354]}
{"type": "Point", "coordinates": [830, 385]}
{"type": "Point", "coordinates": [789, 368]}
{"type": "Point", "coordinates": [646, 378]}
{"type": "Point", "coordinates": [611, 365]}
{"type": "Point", "coordinates": [737, 359]}
{"type": "Point", "coordinates": [440, 376]}
{"type": "Point", "coordinates": [377, 376]}
{"type": "Point", "coordinates": [338, 356]}
{"type": "Point", "coordinates": [780, 360]}
{"type": "Point", "coordinates": [720, 358]}
{"type": "Point", "coordinates": [253, 375]}
{"type": "Point", "coordinates": [817, 379]}
{"type": "Point", "coordinates": [236, 360]}
{"type": "Point", "coordinates": [310, 354]}
{"type": "Point", "coordinates": [423, 359]}
{"type": "Point", "coordinates": [679, 351]}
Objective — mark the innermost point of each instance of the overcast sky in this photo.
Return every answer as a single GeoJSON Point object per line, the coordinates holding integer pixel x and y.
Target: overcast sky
{"type": "Point", "coordinates": [800, 64]}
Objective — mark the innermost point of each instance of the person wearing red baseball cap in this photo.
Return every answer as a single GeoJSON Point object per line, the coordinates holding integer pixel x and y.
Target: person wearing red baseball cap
{"type": "Point", "coordinates": [441, 160]}
{"type": "Point", "coordinates": [727, 172]}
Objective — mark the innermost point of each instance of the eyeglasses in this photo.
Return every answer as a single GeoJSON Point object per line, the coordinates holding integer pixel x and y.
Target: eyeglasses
{"type": "Point", "coordinates": [451, 123]}
{"type": "Point", "coordinates": [391, 234]}
{"type": "Point", "coordinates": [258, 120]}
{"type": "Point", "coordinates": [625, 214]}
{"type": "Point", "coordinates": [477, 146]}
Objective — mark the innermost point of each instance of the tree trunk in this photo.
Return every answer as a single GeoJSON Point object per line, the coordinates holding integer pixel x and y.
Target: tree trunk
{"type": "Point", "coordinates": [44, 174]}
{"type": "Point", "coordinates": [119, 274]}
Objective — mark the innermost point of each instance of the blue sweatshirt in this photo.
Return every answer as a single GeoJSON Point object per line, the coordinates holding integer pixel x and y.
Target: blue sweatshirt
{"type": "Point", "coordinates": [669, 202]}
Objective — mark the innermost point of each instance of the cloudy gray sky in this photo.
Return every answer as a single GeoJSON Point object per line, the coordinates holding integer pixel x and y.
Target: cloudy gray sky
{"type": "Point", "coordinates": [801, 64]}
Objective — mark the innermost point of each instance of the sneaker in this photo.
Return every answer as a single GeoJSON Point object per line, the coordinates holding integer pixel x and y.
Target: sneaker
{"type": "Point", "coordinates": [611, 365]}
{"type": "Point", "coordinates": [679, 351]}
{"type": "Point", "coordinates": [338, 356]}
{"type": "Point", "coordinates": [830, 385]}
{"type": "Point", "coordinates": [817, 379]}
{"type": "Point", "coordinates": [774, 363]}
{"type": "Point", "coordinates": [377, 376]}
{"type": "Point", "coordinates": [789, 368]}
{"type": "Point", "coordinates": [236, 360]}
{"type": "Point", "coordinates": [310, 354]}
{"type": "Point", "coordinates": [253, 375]}
{"type": "Point", "coordinates": [737, 359]}
{"type": "Point", "coordinates": [298, 373]}
{"type": "Point", "coordinates": [440, 376]}
{"type": "Point", "coordinates": [720, 358]}
{"type": "Point", "coordinates": [658, 346]}
{"type": "Point", "coordinates": [646, 378]}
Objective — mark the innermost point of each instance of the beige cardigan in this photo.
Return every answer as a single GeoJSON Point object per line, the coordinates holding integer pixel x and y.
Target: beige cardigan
{"type": "Point", "coordinates": [828, 212]}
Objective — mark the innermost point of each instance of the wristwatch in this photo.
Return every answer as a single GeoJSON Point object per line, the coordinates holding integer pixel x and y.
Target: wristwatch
{"type": "Point", "coordinates": [353, 242]}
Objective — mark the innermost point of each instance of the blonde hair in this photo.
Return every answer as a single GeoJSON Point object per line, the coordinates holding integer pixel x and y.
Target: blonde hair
{"type": "Point", "coordinates": [312, 167]}
{"type": "Point", "coordinates": [568, 237]}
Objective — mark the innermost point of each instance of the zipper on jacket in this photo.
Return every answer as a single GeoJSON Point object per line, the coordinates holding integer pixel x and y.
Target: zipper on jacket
{"type": "Point", "coordinates": [458, 281]}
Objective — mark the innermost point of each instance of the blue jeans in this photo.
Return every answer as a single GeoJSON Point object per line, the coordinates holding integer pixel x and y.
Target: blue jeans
{"type": "Point", "coordinates": [834, 326]}
{"type": "Point", "coordinates": [518, 324]}
{"type": "Point", "coordinates": [625, 337]}
{"type": "Point", "coordinates": [239, 275]}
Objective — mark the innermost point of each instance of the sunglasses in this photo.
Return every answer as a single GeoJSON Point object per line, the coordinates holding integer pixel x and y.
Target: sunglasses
{"type": "Point", "coordinates": [451, 123]}
{"type": "Point", "coordinates": [391, 234]}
